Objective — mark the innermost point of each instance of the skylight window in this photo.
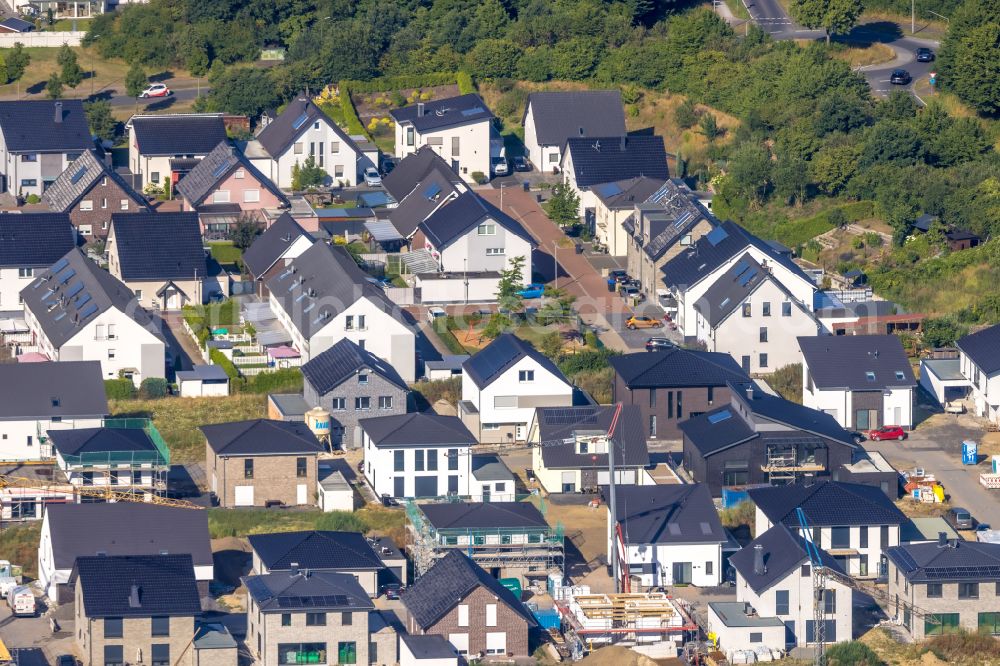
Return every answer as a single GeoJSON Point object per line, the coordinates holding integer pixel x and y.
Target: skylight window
{"type": "Point", "coordinates": [300, 121]}
{"type": "Point", "coordinates": [719, 417]}
{"type": "Point", "coordinates": [870, 376]}
{"type": "Point", "coordinates": [899, 375]}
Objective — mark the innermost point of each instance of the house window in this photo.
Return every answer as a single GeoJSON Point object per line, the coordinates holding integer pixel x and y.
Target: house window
{"type": "Point", "coordinates": [349, 323]}
{"type": "Point", "coordinates": [338, 170]}
{"type": "Point", "coordinates": [251, 196]}
{"type": "Point", "coordinates": [524, 376]}
{"type": "Point", "coordinates": [756, 637]}
{"type": "Point", "coordinates": [315, 619]}
{"type": "Point", "coordinates": [968, 590]}
{"type": "Point", "coordinates": [455, 146]}
{"type": "Point", "coordinates": [686, 239]}
{"type": "Point", "coordinates": [301, 469]}
{"type": "Point", "coordinates": [884, 536]}
{"type": "Point", "coordinates": [735, 477]}
{"type": "Point", "coordinates": [398, 461]}
{"type": "Point", "coordinates": [316, 125]}
{"type": "Point", "coordinates": [29, 182]}
{"type": "Point", "coordinates": [766, 307]}
{"type": "Point", "coordinates": [781, 602]}
{"type": "Point", "coordinates": [934, 590]}
{"type": "Point", "coordinates": [300, 653]}
{"type": "Point", "coordinates": [385, 402]}
{"type": "Point", "coordinates": [652, 398]}
{"type": "Point", "coordinates": [248, 468]}
{"type": "Point", "coordinates": [711, 394]}
{"type": "Point", "coordinates": [362, 325]}
{"type": "Point", "coordinates": [112, 627]}
{"type": "Point", "coordinates": [652, 425]}
{"type": "Point", "coordinates": [432, 460]}
{"type": "Point", "coordinates": [347, 618]}
{"type": "Point", "coordinates": [159, 654]}
{"type": "Point", "coordinates": [220, 196]}
{"type": "Point", "coordinates": [709, 567]}
{"type": "Point", "coordinates": [297, 148]}
{"type": "Point", "coordinates": [347, 652]}
{"type": "Point", "coordinates": [104, 181]}
{"type": "Point", "coordinates": [746, 310]}
{"type": "Point", "coordinates": [286, 619]}
{"type": "Point", "coordinates": [409, 136]}
{"type": "Point", "coordinates": [338, 404]}
{"type": "Point", "coordinates": [763, 360]}
{"type": "Point", "coordinates": [29, 157]}
{"type": "Point", "coordinates": [989, 623]}
{"type": "Point", "coordinates": [86, 230]}
{"type": "Point", "coordinates": [418, 460]}
{"type": "Point", "coordinates": [160, 626]}
{"type": "Point", "coordinates": [870, 376]}
{"type": "Point", "coordinates": [452, 460]}
{"type": "Point", "coordinates": [463, 615]}
{"type": "Point", "coordinates": [840, 537]}
{"type": "Point", "coordinates": [86, 205]}
{"type": "Point", "coordinates": [786, 309]}
{"type": "Point", "coordinates": [363, 404]}
{"type": "Point", "coordinates": [763, 333]}
{"type": "Point", "coordinates": [936, 624]}
{"type": "Point", "coordinates": [25, 272]}
{"type": "Point", "coordinates": [804, 571]}
{"type": "Point", "coordinates": [114, 655]}
{"type": "Point", "coordinates": [488, 229]}
{"type": "Point", "coordinates": [363, 378]}
{"type": "Point", "coordinates": [111, 354]}
{"type": "Point", "coordinates": [495, 251]}
{"type": "Point", "coordinates": [239, 174]}
{"type": "Point", "coordinates": [155, 176]}
{"type": "Point", "coordinates": [334, 147]}
{"type": "Point", "coordinates": [491, 615]}
{"type": "Point", "coordinates": [864, 537]}
{"type": "Point", "coordinates": [123, 204]}
{"type": "Point", "coordinates": [829, 601]}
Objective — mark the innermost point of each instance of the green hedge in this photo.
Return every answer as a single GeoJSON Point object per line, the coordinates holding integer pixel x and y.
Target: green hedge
{"type": "Point", "coordinates": [287, 380]}
{"type": "Point", "coordinates": [119, 389]}
{"type": "Point", "coordinates": [351, 119]}
{"type": "Point", "coordinates": [219, 359]}
{"type": "Point", "coordinates": [465, 86]}
{"type": "Point", "coordinates": [447, 337]}
{"type": "Point", "coordinates": [386, 83]}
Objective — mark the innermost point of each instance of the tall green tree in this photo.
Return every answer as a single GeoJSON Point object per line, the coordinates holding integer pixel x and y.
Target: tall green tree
{"type": "Point", "coordinates": [976, 72]}
{"type": "Point", "coordinates": [17, 63]}
{"type": "Point", "coordinates": [835, 17]}
{"type": "Point", "coordinates": [101, 121]}
{"type": "Point", "coordinates": [307, 175]}
{"type": "Point", "coordinates": [564, 206]}
{"type": "Point", "coordinates": [135, 80]}
{"type": "Point", "coordinates": [70, 72]}
{"type": "Point", "coordinates": [750, 172]}
{"type": "Point", "coordinates": [54, 87]}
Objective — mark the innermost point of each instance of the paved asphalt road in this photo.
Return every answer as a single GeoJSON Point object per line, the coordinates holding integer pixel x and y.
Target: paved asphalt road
{"type": "Point", "coordinates": [157, 103]}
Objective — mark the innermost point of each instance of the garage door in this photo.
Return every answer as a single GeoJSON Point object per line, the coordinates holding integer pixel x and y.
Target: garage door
{"type": "Point", "coordinates": [425, 486]}
{"type": "Point", "coordinates": [244, 495]}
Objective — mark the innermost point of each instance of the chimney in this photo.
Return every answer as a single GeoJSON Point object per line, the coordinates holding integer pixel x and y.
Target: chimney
{"type": "Point", "coordinates": [420, 109]}
{"type": "Point", "coordinates": [58, 106]}
{"type": "Point", "coordinates": [758, 560]}
{"type": "Point", "coordinates": [622, 144]}
{"type": "Point", "coordinates": [295, 569]}
{"type": "Point", "coordinates": [749, 391]}
{"type": "Point", "coordinates": [133, 597]}
{"type": "Point", "coordinates": [942, 539]}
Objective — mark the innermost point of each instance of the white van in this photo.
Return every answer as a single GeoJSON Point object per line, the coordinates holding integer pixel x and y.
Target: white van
{"type": "Point", "coordinates": [21, 601]}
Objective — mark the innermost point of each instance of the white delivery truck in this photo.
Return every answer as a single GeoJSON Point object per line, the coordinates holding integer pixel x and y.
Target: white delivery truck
{"type": "Point", "coordinates": [21, 601]}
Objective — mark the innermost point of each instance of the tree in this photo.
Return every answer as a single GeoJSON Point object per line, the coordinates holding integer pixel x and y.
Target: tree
{"type": "Point", "coordinates": [976, 70]}
{"type": "Point", "coordinates": [135, 80]}
{"type": "Point", "coordinates": [17, 63]}
{"type": "Point", "coordinates": [308, 175]}
{"type": "Point", "coordinates": [835, 17]}
{"type": "Point", "coordinates": [494, 59]}
{"type": "Point", "coordinates": [54, 87]}
{"type": "Point", "coordinates": [709, 127]}
{"type": "Point", "coordinates": [564, 206]}
{"type": "Point", "coordinates": [70, 72]}
{"type": "Point", "coordinates": [853, 653]}
{"type": "Point", "coordinates": [4, 76]}
{"type": "Point", "coordinates": [686, 114]}
{"type": "Point", "coordinates": [750, 172]}
{"type": "Point", "coordinates": [791, 179]}
{"type": "Point", "coordinates": [100, 119]}
{"type": "Point", "coordinates": [244, 90]}
{"type": "Point", "coordinates": [511, 282]}
{"type": "Point", "coordinates": [244, 232]}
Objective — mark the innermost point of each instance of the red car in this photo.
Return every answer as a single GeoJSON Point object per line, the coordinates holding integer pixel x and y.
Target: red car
{"type": "Point", "coordinates": [887, 432]}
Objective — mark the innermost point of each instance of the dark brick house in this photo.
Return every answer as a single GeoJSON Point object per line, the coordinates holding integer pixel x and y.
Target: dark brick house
{"type": "Point", "coordinates": [673, 385]}
{"type": "Point", "coordinates": [459, 601]}
{"type": "Point", "coordinates": [274, 250]}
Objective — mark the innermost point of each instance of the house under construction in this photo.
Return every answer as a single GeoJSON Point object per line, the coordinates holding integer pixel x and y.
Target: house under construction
{"type": "Point", "coordinates": [507, 539]}
{"type": "Point", "coordinates": [644, 618]}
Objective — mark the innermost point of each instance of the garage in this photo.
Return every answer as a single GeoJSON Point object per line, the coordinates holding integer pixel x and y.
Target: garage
{"type": "Point", "coordinates": [243, 495]}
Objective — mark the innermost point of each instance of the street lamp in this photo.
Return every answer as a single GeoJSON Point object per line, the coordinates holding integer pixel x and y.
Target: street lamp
{"type": "Point", "coordinates": [555, 263]}
{"type": "Point", "coordinates": [503, 185]}
{"type": "Point", "coordinates": [93, 72]}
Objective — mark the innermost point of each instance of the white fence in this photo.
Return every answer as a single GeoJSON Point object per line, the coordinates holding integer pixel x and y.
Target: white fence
{"type": "Point", "coordinates": [401, 295]}
{"type": "Point", "coordinates": [8, 39]}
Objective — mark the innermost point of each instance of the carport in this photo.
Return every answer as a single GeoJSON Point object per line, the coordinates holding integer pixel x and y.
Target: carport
{"type": "Point", "coordinates": [942, 378]}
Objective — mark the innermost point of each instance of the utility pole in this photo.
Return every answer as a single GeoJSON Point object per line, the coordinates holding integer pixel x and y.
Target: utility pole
{"type": "Point", "coordinates": [612, 506]}
{"type": "Point", "coordinates": [913, 17]}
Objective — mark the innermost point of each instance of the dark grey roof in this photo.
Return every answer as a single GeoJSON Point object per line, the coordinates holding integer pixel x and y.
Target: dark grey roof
{"type": "Point", "coordinates": [297, 118]}
{"type": "Point", "coordinates": [560, 115]}
{"type": "Point", "coordinates": [673, 514]}
{"type": "Point", "coordinates": [610, 159]}
{"type": "Point", "coordinates": [261, 437]}
{"type": "Point", "coordinates": [215, 168]}
{"type": "Point", "coordinates": [441, 113]}
{"type": "Point", "coordinates": [34, 240]}
{"type": "Point", "coordinates": [344, 360]}
{"type": "Point", "coordinates": [307, 591]}
{"type": "Point", "coordinates": [30, 126]}
{"type": "Point", "coordinates": [429, 646]}
{"type": "Point", "coordinates": [270, 245]}
{"type": "Point", "coordinates": [626, 194]}
{"type": "Point", "coordinates": [559, 423]}
{"type": "Point", "coordinates": [417, 429]}
{"type": "Point", "coordinates": [66, 389]}
{"type": "Point", "coordinates": [489, 467]}
{"type": "Point", "coordinates": [783, 552]}
{"type": "Point", "coordinates": [205, 373]}
{"type": "Point", "coordinates": [178, 134]}
{"type": "Point", "coordinates": [676, 367]}
{"type": "Point", "coordinates": [983, 348]}
{"type": "Point", "coordinates": [924, 222]}
{"type": "Point", "coordinates": [827, 503]}
{"type": "Point", "coordinates": [450, 580]}
{"type": "Point", "coordinates": [857, 362]}
{"type": "Point", "coordinates": [500, 355]}
{"type": "Point", "coordinates": [17, 25]}
{"type": "Point", "coordinates": [464, 213]}
{"type": "Point", "coordinates": [664, 217]}
{"type": "Point", "coordinates": [65, 298]}
{"type": "Point", "coordinates": [959, 560]}
{"type": "Point", "coordinates": [420, 183]}
{"type": "Point", "coordinates": [101, 440]}
{"type": "Point", "coordinates": [414, 168]}
{"type": "Point", "coordinates": [159, 246]}
{"type": "Point", "coordinates": [483, 515]}
{"type": "Point", "coordinates": [716, 430]}
{"type": "Point", "coordinates": [734, 286]}
{"type": "Point", "coordinates": [138, 586]}
{"type": "Point", "coordinates": [315, 550]}
{"type": "Point", "coordinates": [79, 177]}
{"type": "Point", "coordinates": [121, 528]}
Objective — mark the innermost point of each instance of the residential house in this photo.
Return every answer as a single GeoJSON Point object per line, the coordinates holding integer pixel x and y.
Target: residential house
{"type": "Point", "coordinates": [28, 244]}
{"type": "Point", "coordinates": [503, 384]}
{"type": "Point", "coordinates": [420, 183]}
{"type": "Point", "coordinates": [136, 609]}
{"type": "Point", "coordinates": [507, 539]}
{"type": "Point", "coordinates": [384, 632]}
{"type": "Point", "coordinates": [750, 315]}
{"type": "Point", "coordinates": [862, 381]}
{"type": "Point", "coordinates": [310, 617]}
{"type": "Point", "coordinates": [76, 310]}
{"type": "Point", "coordinates": [695, 270]}
{"type": "Point", "coordinates": [590, 161]}
{"type": "Point", "coordinates": [615, 203]}
{"type": "Point", "coordinates": [274, 249]}
{"type": "Point", "coordinates": [253, 463]}
{"type": "Point", "coordinates": [323, 296]}
{"type": "Point", "coordinates": [979, 365]}
{"type": "Point", "coordinates": [552, 117]}
{"type": "Point", "coordinates": [41, 397]}
{"type": "Point", "coordinates": [667, 535]}
{"type": "Point", "coordinates": [126, 456]}
{"type": "Point", "coordinates": [225, 187]}
{"type": "Point", "coordinates": [90, 191]}
{"type": "Point", "coordinates": [38, 140]}
{"type": "Point", "coordinates": [672, 385]}
{"type": "Point", "coordinates": [459, 129]}
{"type": "Point", "coordinates": [162, 149]}
{"type": "Point", "coordinates": [430, 650]}
{"type": "Point", "coordinates": [757, 438]}
{"type": "Point", "coordinates": [160, 257]}
{"type": "Point", "coordinates": [852, 522]}
{"type": "Point", "coordinates": [459, 601]}
{"type": "Point", "coordinates": [352, 383]}
{"type": "Point", "coordinates": [448, 366]}
{"type": "Point", "coordinates": [416, 455]}
{"type": "Point", "coordinates": [573, 444]}
{"type": "Point", "coordinates": [957, 239]}
{"type": "Point", "coordinates": [946, 585]}
{"type": "Point", "coordinates": [302, 131]}
{"type": "Point", "coordinates": [71, 531]}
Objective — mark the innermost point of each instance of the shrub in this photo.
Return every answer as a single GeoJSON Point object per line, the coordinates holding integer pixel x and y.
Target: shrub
{"type": "Point", "coordinates": [153, 388]}
{"type": "Point", "coordinates": [956, 646]}
{"type": "Point", "coordinates": [686, 115]}
{"type": "Point", "coordinates": [219, 359]}
{"type": "Point", "coordinates": [853, 653]}
{"type": "Point", "coordinates": [119, 389]}
{"type": "Point", "coordinates": [284, 380]}
{"type": "Point", "coordinates": [33, 199]}
{"type": "Point", "coordinates": [479, 177]}
{"type": "Point", "coordinates": [787, 381]}
{"type": "Point", "coordinates": [351, 119]}
{"type": "Point", "coordinates": [742, 514]}
{"type": "Point", "coordinates": [464, 80]}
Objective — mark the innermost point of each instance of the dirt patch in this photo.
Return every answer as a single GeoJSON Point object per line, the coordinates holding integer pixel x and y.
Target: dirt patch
{"type": "Point", "coordinates": [617, 656]}
{"type": "Point", "coordinates": [989, 444]}
{"type": "Point", "coordinates": [913, 509]}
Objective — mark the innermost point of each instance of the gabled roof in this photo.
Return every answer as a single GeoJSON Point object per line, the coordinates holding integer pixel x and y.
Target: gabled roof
{"type": "Point", "coordinates": [983, 348]}
{"type": "Point", "coordinates": [626, 194]}
{"type": "Point", "coordinates": [297, 118]}
{"type": "Point", "coordinates": [450, 580]}
{"type": "Point", "coordinates": [561, 423]}
{"type": "Point", "coordinates": [315, 550]}
{"type": "Point", "coordinates": [716, 430]}
{"type": "Point", "coordinates": [958, 560]}
{"type": "Point", "coordinates": [79, 177]}
{"type": "Point", "coordinates": [344, 360]}
{"type": "Point", "coordinates": [417, 429]}
{"type": "Point", "coordinates": [733, 287]}
{"type": "Point", "coordinates": [500, 355]}
{"type": "Point", "coordinates": [121, 528]}
{"type": "Point", "coordinates": [138, 586]}
{"type": "Point", "coordinates": [560, 115]}
{"type": "Point", "coordinates": [857, 362]}
{"type": "Point", "coordinates": [216, 167]}
{"type": "Point", "coordinates": [674, 514]}
{"type": "Point", "coordinates": [676, 367]}
{"type": "Point", "coordinates": [67, 389]}
{"type": "Point", "coordinates": [827, 503]}
{"type": "Point", "coordinates": [72, 292]}
{"type": "Point", "coordinates": [269, 247]}
{"type": "Point", "coordinates": [466, 212]}
{"type": "Point", "coordinates": [441, 113]}
{"type": "Point", "coordinates": [261, 437]}
{"type": "Point", "coordinates": [421, 183]}
{"type": "Point", "coordinates": [307, 591]}
{"type": "Point", "coordinates": [610, 159]}
{"type": "Point", "coordinates": [159, 246]}
{"type": "Point", "coordinates": [775, 408]}
{"type": "Point", "coordinates": [101, 440]}
{"type": "Point", "coordinates": [34, 240]}
{"type": "Point", "coordinates": [483, 515]}
{"type": "Point", "coordinates": [783, 551]}
{"type": "Point", "coordinates": [178, 134]}
{"type": "Point", "coordinates": [30, 126]}
{"type": "Point", "coordinates": [17, 25]}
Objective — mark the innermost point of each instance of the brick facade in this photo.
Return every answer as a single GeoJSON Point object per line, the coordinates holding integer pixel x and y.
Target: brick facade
{"type": "Point", "coordinates": [987, 601]}
{"type": "Point", "coordinates": [669, 405]}
{"type": "Point", "coordinates": [274, 478]}
{"type": "Point", "coordinates": [105, 197]}
{"type": "Point", "coordinates": [346, 419]}
{"type": "Point", "coordinates": [265, 633]}
{"type": "Point", "coordinates": [507, 621]}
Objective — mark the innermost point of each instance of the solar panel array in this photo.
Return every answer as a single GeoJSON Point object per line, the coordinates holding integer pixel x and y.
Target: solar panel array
{"type": "Point", "coordinates": [64, 296]}
{"type": "Point", "coordinates": [950, 573]}
{"type": "Point", "coordinates": [716, 236]}
{"type": "Point", "coordinates": [570, 416]}
{"type": "Point", "coordinates": [300, 121]}
{"type": "Point", "coordinates": [326, 601]}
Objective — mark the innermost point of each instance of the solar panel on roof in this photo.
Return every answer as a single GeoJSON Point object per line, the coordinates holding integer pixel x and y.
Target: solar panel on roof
{"type": "Point", "coordinates": [75, 289]}
{"type": "Point", "coordinates": [87, 311]}
{"type": "Point", "coordinates": [741, 267]}
{"type": "Point", "coordinates": [219, 170]}
{"type": "Point", "coordinates": [719, 417]}
{"type": "Point", "coordinates": [60, 315]}
{"type": "Point", "coordinates": [745, 280]}
{"type": "Point", "coordinates": [474, 111]}
{"type": "Point", "coordinates": [83, 298]}
{"type": "Point", "coordinates": [683, 219]}
{"type": "Point", "coordinates": [59, 265]}
{"type": "Point", "coordinates": [75, 178]}
{"type": "Point", "coordinates": [609, 189]}
{"type": "Point", "coordinates": [300, 121]}
{"type": "Point", "coordinates": [432, 191]}
{"type": "Point", "coordinates": [716, 236]}
{"type": "Point", "coordinates": [67, 276]}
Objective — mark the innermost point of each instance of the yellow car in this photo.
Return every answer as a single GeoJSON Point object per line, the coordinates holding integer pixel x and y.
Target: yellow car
{"type": "Point", "coordinates": [642, 322]}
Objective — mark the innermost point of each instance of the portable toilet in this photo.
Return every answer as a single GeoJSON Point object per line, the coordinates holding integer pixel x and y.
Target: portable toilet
{"type": "Point", "coordinates": [970, 452]}
{"type": "Point", "coordinates": [996, 464]}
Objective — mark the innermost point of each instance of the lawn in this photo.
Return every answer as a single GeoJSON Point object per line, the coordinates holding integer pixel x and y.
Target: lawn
{"type": "Point", "coordinates": [225, 252]}
{"type": "Point", "coordinates": [19, 545]}
{"type": "Point", "coordinates": [372, 518]}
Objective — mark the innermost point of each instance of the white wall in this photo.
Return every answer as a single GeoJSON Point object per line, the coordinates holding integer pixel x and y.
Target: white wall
{"type": "Point", "coordinates": [499, 491]}
{"type": "Point", "coordinates": [985, 388]}
{"type": "Point", "coordinates": [525, 393]}
{"type": "Point", "coordinates": [469, 252]}
{"type": "Point", "coordinates": [433, 289]}
{"type": "Point", "coordinates": [474, 146]}
{"type": "Point", "coordinates": [19, 438]}
{"type": "Point", "coordinates": [337, 157]}
{"type": "Point", "coordinates": [665, 555]}
{"type": "Point", "coordinates": [406, 658]}
{"type": "Point", "coordinates": [11, 285]}
{"type": "Point", "coordinates": [837, 403]}
{"type": "Point", "coordinates": [738, 637]}
{"type": "Point", "coordinates": [544, 158]}
{"type": "Point", "coordinates": [17, 170]}
{"type": "Point", "coordinates": [380, 468]}
{"type": "Point", "coordinates": [195, 388]}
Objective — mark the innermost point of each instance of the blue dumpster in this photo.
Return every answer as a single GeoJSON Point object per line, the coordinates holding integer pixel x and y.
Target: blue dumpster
{"type": "Point", "coordinates": [970, 452]}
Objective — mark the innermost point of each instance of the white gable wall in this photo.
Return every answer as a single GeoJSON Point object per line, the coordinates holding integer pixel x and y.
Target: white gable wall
{"type": "Point", "coordinates": [466, 148]}
{"type": "Point", "coordinates": [476, 252]}
{"type": "Point", "coordinates": [544, 158]}
{"type": "Point", "coordinates": [545, 390]}
{"type": "Point", "coordinates": [337, 157]}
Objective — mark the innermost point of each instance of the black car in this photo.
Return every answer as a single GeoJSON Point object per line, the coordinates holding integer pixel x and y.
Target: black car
{"type": "Point", "coordinates": [521, 163]}
{"type": "Point", "coordinates": [900, 77]}
{"type": "Point", "coordinates": [392, 590]}
{"type": "Point", "coordinates": [924, 54]}
{"type": "Point", "coordinates": [659, 344]}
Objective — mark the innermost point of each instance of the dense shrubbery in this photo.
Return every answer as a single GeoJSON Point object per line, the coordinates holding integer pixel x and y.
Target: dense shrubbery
{"type": "Point", "coordinates": [119, 389]}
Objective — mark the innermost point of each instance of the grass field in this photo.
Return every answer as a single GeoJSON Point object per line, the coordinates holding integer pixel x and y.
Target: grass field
{"type": "Point", "coordinates": [369, 519]}
{"type": "Point", "coordinates": [19, 545]}
{"type": "Point", "coordinates": [875, 54]}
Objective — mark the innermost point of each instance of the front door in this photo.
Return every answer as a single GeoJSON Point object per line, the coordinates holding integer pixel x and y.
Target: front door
{"type": "Point", "coordinates": [866, 419]}
{"type": "Point", "coordinates": [897, 416]}
{"type": "Point", "coordinates": [244, 496]}
{"type": "Point", "coordinates": [301, 494]}
{"type": "Point", "coordinates": [486, 493]}
{"type": "Point", "coordinates": [398, 488]}
{"type": "Point", "coordinates": [682, 573]}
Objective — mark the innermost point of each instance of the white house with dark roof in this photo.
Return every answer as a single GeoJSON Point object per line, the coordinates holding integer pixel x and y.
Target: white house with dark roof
{"type": "Point", "coordinates": [164, 148]}
{"type": "Point", "coordinates": [979, 363]}
{"type": "Point", "coordinates": [863, 381]}
{"type": "Point", "coordinates": [590, 161]}
{"type": "Point", "coordinates": [421, 183]}
{"type": "Point", "coordinates": [504, 383]}
{"type": "Point", "coordinates": [614, 204]}
{"type": "Point", "coordinates": [29, 243]}
{"type": "Point", "coordinates": [77, 311]}
{"type": "Point", "coordinates": [552, 117]}
{"type": "Point", "coordinates": [38, 140]}
{"type": "Point", "coordinates": [274, 249]}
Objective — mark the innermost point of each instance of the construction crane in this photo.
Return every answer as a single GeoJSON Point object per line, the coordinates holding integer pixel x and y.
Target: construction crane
{"type": "Point", "coordinates": [106, 493]}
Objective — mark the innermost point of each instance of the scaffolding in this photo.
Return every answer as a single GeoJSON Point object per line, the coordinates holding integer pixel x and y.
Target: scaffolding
{"type": "Point", "coordinates": [650, 617]}
{"type": "Point", "coordinates": [784, 465]}
{"type": "Point", "coordinates": [122, 471]}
